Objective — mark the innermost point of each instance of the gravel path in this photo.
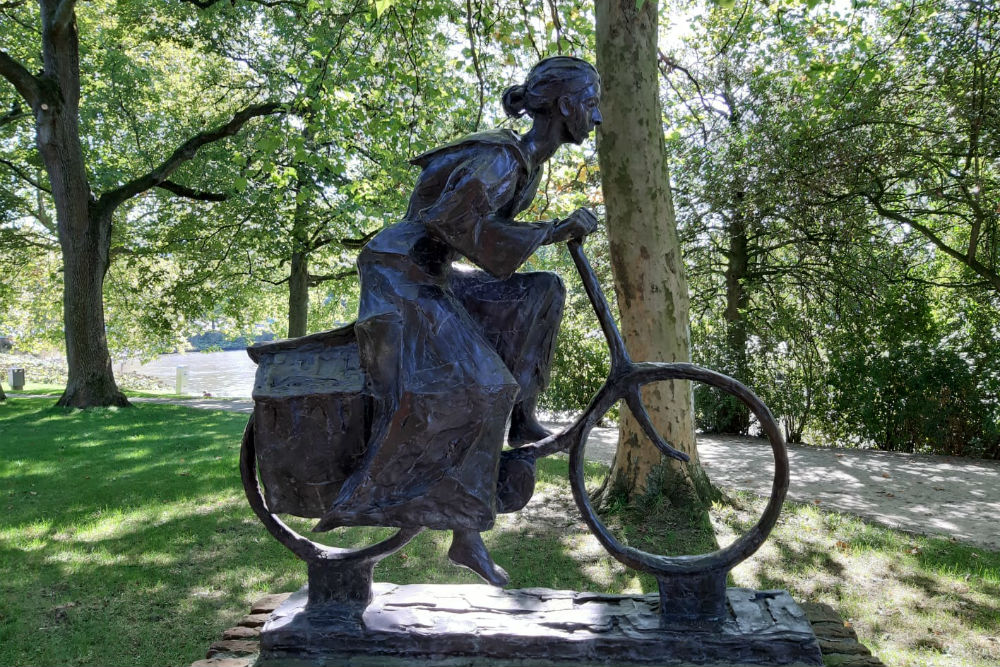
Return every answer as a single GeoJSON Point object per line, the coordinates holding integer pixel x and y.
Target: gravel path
{"type": "Point", "coordinates": [939, 495]}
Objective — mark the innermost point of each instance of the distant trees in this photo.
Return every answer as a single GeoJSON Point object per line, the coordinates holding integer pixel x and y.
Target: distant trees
{"type": "Point", "coordinates": [191, 228]}
{"type": "Point", "coordinates": [85, 207]}
{"type": "Point", "coordinates": [201, 163]}
{"type": "Point", "coordinates": [837, 194]}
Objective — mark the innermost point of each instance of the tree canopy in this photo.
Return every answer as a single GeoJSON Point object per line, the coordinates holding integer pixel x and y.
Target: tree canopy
{"type": "Point", "coordinates": [834, 172]}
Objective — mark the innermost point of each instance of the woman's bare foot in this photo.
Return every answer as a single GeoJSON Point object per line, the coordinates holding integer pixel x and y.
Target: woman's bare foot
{"type": "Point", "coordinates": [467, 550]}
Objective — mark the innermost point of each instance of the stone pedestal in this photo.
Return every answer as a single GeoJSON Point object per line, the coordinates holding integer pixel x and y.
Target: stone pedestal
{"type": "Point", "coordinates": [474, 625]}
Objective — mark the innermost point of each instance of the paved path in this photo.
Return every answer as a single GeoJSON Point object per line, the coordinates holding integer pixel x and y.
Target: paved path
{"type": "Point", "coordinates": [940, 495]}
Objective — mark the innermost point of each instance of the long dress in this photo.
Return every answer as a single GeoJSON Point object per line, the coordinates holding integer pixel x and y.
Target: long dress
{"type": "Point", "coordinates": [447, 352]}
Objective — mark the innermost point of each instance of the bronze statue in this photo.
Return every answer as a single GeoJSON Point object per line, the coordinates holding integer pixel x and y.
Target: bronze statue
{"type": "Point", "coordinates": [400, 420]}
{"type": "Point", "coordinates": [451, 355]}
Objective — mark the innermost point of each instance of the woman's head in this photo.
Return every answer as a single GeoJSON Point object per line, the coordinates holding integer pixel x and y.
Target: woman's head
{"type": "Point", "coordinates": [547, 82]}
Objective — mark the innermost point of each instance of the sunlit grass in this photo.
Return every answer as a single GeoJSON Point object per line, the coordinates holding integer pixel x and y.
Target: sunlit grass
{"type": "Point", "coordinates": [56, 390]}
{"type": "Point", "coordinates": [125, 539]}
{"type": "Point", "coordinates": [913, 600]}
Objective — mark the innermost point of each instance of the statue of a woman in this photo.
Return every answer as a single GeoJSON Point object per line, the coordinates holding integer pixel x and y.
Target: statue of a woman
{"type": "Point", "coordinates": [452, 356]}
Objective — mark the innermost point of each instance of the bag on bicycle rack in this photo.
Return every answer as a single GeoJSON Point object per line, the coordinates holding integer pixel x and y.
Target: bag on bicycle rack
{"type": "Point", "coordinates": [311, 418]}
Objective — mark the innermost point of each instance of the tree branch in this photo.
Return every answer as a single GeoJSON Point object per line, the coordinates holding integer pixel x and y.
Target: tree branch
{"type": "Point", "coordinates": [15, 114]}
{"type": "Point", "coordinates": [732, 33]}
{"type": "Point", "coordinates": [14, 168]}
{"type": "Point", "coordinates": [27, 85]}
{"type": "Point", "coordinates": [190, 193]}
{"type": "Point", "coordinates": [13, 241]}
{"type": "Point", "coordinates": [205, 4]}
{"type": "Point", "coordinates": [670, 64]}
{"type": "Point", "coordinates": [316, 280]}
{"type": "Point", "coordinates": [977, 266]}
{"type": "Point", "coordinates": [357, 244]}
{"type": "Point", "coordinates": [187, 151]}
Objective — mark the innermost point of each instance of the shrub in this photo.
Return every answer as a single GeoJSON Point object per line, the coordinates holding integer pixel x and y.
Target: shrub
{"type": "Point", "coordinates": [912, 398]}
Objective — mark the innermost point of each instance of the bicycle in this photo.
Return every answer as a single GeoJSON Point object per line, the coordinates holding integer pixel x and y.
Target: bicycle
{"type": "Point", "coordinates": [690, 587]}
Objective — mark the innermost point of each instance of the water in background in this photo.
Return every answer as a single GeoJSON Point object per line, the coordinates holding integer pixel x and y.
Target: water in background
{"type": "Point", "coordinates": [225, 374]}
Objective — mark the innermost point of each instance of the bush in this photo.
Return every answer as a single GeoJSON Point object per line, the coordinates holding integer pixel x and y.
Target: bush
{"type": "Point", "coordinates": [913, 398]}
{"type": "Point", "coordinates": [580, 367]}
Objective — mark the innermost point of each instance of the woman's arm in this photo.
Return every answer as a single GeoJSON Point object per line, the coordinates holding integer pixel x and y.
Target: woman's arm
{"type": "Point", "coordinates": [467, 215]}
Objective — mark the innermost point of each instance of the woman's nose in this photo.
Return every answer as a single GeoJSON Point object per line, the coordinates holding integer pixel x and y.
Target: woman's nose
{"type": "Point", "coordinates": [597, 117]}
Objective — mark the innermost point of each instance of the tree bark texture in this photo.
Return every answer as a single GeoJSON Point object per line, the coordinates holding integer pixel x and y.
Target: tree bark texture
{"type": "Point", "coordinates": [84, 228]}
{"type": "Point", "coordinates": [646, 256]}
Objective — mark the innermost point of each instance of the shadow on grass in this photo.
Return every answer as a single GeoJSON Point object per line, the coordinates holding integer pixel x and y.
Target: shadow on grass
{"type": "Point", "coordinates": [126, 537]}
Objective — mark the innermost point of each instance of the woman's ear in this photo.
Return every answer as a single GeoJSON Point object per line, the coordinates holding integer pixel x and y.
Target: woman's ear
{"type": "Point", "coordinates": [565, 105]}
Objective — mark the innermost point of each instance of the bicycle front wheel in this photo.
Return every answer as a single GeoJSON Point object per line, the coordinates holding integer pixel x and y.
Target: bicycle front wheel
{"type": "Point", "coordinates": [626, 387]}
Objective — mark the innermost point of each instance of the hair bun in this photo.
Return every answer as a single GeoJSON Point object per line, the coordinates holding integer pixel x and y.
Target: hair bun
{"type": "Point", "coordinates": [513, 101]}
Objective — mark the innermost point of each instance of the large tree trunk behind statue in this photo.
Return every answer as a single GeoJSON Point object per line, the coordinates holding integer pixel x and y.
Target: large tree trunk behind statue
{"type": "Point", "coordinates": [298, 295]}
{"type": "Point", "coordinates": [298, 277]}
{"type": "Point", "coordinates": [84, 230]}
{"type": "Point", "coordinates": [85, 247]}
{"type": "Point", "coordinates": [646, 257]}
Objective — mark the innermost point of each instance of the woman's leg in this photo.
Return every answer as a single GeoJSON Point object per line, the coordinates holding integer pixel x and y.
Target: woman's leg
{"type": "Point", "coordinates": [520, 318]}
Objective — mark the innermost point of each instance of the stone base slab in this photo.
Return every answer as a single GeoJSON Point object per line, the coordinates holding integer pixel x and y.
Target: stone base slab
{"type": "Point", "coordinates": [473, 625]}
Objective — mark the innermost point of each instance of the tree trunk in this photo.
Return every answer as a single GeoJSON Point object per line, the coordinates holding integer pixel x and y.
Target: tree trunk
{"type": "Point", "coordinates": [91, 381]}
{"type": "Point", "coordinates": [646, 256]}
{"type": "Point", "coordinates": [735, 417]}
{"type": "Point", "coordinates": [298, 295]}
{"type": "Point", "coordinates": [298, 278]}
{"type": "Point", "coordinates": [84, 229]}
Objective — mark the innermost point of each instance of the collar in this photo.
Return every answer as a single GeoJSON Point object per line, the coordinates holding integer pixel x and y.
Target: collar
{"type": "Point", "coordinates": [498, 137]}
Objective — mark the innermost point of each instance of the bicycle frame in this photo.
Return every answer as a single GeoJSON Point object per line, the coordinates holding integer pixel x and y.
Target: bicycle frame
{"type": "Point", "coordinates": [622, 367]}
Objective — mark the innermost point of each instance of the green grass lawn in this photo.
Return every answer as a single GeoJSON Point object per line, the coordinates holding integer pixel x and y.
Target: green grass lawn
{"type": "Point", "coordinates": [41, 389]}
{"type": "Point", "coordinates": [126, 540]}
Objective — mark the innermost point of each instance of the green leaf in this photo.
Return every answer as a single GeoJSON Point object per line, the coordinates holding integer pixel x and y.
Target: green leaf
{"type": "Point", "coordinates": [382, 5]}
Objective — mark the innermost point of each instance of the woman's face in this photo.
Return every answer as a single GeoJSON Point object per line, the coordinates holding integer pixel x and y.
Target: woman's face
{"type": "Point", "coordinates": [581, 113]}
